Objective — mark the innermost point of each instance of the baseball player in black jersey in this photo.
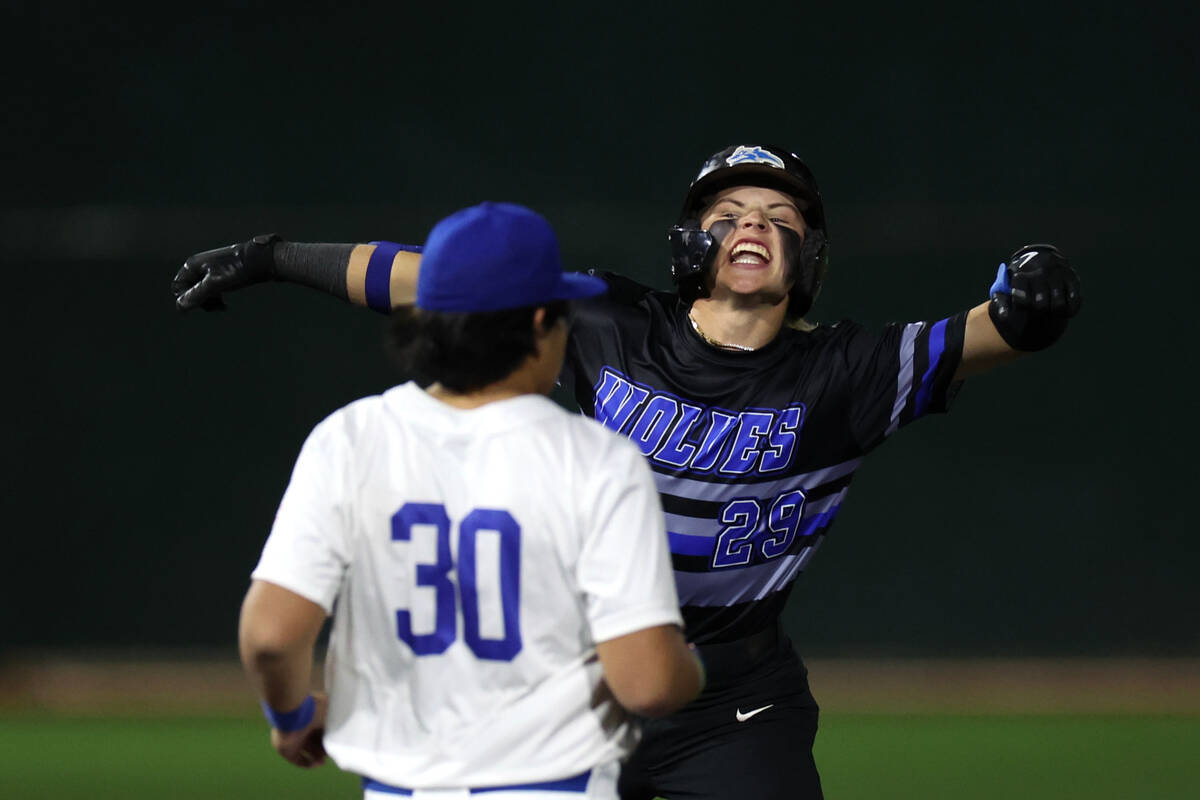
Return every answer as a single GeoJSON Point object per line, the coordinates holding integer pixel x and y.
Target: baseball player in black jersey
{"type": "Point", "coordinates": [753, 421]}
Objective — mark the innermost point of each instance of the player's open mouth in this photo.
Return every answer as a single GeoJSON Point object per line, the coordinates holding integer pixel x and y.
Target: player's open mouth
{"type": "Point", "coordinates": [749, 252]}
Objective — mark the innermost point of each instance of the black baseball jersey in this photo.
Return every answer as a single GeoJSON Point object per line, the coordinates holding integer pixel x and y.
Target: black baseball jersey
{"type": "Point", "coordinates": [752, 452]}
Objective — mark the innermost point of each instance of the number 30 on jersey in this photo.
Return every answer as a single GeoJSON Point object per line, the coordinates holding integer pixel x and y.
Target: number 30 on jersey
{"type": "Point", "coordinates": [436, 577]}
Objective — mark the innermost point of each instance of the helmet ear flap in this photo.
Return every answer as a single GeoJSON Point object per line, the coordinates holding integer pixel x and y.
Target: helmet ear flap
{"type": "Point", "coordinates": [814, 253]}
{"type": "Point", "coordinates": [812, 266]}
{"type": "Point", "coordinates": [691, 290]}
{"type": "Point", "coordinates": [693, 251]}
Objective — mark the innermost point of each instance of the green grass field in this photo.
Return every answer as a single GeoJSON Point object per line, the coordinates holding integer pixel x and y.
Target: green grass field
{"type": "Point", "coordinates": [965, 757]}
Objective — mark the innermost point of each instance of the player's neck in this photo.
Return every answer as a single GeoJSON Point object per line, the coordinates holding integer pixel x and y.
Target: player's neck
{"type": "Point", "coordinates": [526, 379]}
{"type": "Point", "coordinates": [473, 399]}
{"type": "Point", "coordinates": [737, 325]}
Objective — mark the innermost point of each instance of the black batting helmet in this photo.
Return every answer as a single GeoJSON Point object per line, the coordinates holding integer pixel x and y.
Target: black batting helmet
{"type": "Point", "coordinates": [751, 165]}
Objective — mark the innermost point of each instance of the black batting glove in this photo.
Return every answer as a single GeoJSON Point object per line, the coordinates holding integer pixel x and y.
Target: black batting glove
{"type": "Point", "coordinates": [205, 277]}
{"type": "Point", "coordinates": [1033, 297]}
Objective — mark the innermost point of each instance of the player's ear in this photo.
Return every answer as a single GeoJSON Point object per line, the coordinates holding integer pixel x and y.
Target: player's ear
{"type": "Point", "coordinates": [539, 321]}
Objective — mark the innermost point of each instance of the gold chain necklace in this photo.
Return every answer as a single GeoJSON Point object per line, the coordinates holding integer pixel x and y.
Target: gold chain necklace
{"type": "Point", "coordinates": [723, 345]}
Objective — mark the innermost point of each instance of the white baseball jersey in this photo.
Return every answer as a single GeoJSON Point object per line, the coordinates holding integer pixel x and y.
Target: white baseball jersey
{"type": "Point", "coordinates": [474, 557]}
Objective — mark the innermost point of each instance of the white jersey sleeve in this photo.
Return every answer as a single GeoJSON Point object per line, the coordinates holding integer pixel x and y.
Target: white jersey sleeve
{"type": "Point", "coordinates": [624, 567]}
{"type": "Point", "coordinates": [307, 551]}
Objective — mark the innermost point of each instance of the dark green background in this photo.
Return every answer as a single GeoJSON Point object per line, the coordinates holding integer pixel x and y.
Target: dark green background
{"type": "Point", "coordinates": [1051, 513]}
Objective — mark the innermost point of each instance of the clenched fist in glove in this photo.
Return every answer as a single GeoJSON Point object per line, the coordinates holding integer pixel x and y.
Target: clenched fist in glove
{"type": "Point", "coordinates": [204, 277]}
{"type": "Point", "coordinates": [1034, 295]}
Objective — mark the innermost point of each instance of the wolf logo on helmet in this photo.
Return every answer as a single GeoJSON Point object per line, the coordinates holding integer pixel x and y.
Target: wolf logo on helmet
{"type": "Point", "coordinates": [754, 155]}
{"type": "Point", "coordinates": [693, 250]}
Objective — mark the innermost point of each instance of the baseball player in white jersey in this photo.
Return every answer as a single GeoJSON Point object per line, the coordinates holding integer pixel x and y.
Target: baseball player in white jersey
{"type": "Point", "coordinates": [496, 567]}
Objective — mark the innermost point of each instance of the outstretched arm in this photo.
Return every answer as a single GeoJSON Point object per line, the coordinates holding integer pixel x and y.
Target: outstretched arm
{"type": "Point", "coordinates": [1033, 297]}
{"type": "Point", "coordinates": [380, 275]}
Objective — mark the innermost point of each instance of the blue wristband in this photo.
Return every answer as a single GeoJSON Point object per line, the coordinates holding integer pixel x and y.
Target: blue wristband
{"type": "Point", "coordinates": [289, 721]}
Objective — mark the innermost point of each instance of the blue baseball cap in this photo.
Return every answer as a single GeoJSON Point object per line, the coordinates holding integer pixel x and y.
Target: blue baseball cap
{"type": "Point", "coordinates": [495, 256]}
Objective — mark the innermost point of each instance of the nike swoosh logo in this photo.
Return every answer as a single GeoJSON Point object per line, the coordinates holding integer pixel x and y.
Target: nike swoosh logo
{"type": "Point", "coordinates": [743, 717]}
{"type": "Point", "coordinates": [1020, 262]}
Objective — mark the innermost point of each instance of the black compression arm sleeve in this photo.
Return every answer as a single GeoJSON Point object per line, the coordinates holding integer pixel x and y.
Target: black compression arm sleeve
{"type": "Point", "coordinates": [319, 266]}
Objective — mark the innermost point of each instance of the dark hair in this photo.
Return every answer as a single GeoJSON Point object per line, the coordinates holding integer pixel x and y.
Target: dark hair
{"type": "Point", "coordinates": [465, 351]}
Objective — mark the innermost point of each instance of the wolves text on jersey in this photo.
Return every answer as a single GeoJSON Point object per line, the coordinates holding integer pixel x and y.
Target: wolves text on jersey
{"type": "Point", "coordinates": [684, 436]}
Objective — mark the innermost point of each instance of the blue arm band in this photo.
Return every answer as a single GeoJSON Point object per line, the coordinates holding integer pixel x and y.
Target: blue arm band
{"type": "Point", "coordinates": [379, 274]}
{"type": "Point", "coordinates": [289, 721]}
{"type": "Point", "coordinates": [1001, 283]}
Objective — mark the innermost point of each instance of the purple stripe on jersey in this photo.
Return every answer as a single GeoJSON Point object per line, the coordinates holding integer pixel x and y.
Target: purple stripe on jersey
{"type": "Point", "coordinates": [784, 578]}
{"type": "Point", "coordinates": [684, 545]}
{"type": "Point", "coordinates": [379, 274]}
{"type": "Point", "coordinates": [728, 587]}
{"type": "Point", "coordinates": [937, 344]}
{"type": "Point", "coordinates": [817, 521]}
{"type": "Point", "coordinates": [908, 338]}
{"type": "Point", "coordinates": [699, 489]}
